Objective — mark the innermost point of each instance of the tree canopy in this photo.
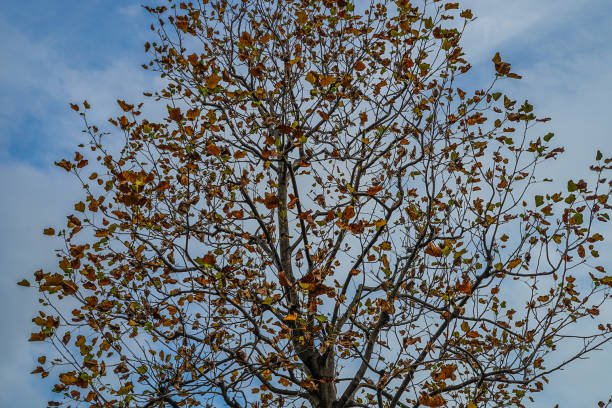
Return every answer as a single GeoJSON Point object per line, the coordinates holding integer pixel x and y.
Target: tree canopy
{"type": "Point", "coordinates": [324, 219]}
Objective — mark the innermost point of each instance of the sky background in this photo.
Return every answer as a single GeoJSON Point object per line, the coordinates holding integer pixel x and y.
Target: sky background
{"type": "Point", "coordinates": [56, 52]}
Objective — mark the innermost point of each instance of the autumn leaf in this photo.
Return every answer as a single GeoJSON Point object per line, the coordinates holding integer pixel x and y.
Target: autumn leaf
{"type": "Point", "coordinates": [24, 283]}
{"type": "Point", "coordinates": [49, 231]}
{"type": "Point", "coordinates": [465, 286]}
{"type": "Point", "coordinates": [348, 212]}
{"type": "Point", "coordinates": [302, 17]}
{"type": "Point", "coordinates": [311, 77]}
{"type": "Point", "coordinates": [433, 250]}
{"type": "Point", "coordinates": [327, 80]}
{"type": "Point", "coordinates": [514, 263]}
{"type": "Point", "coordinates": [363, 118]}
{"type": "Point", "coordinates": [68, 378]}
{"type": "Point", "coordinates": [359, 66]}
{"type": "Point", "coordinates": [126, 107]}
{"type": "Point", "coordinates": [212, 149]}
{"type": "Point", "coordinates": [435, 401]}
{"type": "Point", "coordinates": [467, 14]}
{"type": "Point", "coordinates": [212, 81]}
{"type": "Point", "coordinates": [271, 201]}
{"type": "Point", "coordinates": [282, 279]}
{"type": "Point", "coordinates": [65, 164]}
{"type": "Point", "coordinates": [447, 371]}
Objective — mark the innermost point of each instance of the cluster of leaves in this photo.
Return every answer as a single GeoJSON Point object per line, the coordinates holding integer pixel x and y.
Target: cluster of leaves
{"type": "Point", "coordinates": [324, 218]}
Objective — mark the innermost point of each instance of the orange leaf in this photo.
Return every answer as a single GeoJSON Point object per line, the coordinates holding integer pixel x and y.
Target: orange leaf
{"type": "Point", "coordinates": [374, 189]}
{"type": "Point", "coordinates": [359, 66]}
{"type": "Point", "coordinates": [428, 401]}
{"type": "Point", "coordinates": [465, 286]}
{"type": "Point", "coordinates": [49, 231]}
{"type": "Point", "coordinates": [212, 81]}
{"type": "Point", "coordinates": [271, 201]}
{"type": "Point", "coordinates": [282, 279]}
{"type": "Point", "coordinates": [433, 250]}
{"type": "Point", "coordinates": [292, 317]}
{"type": "Point", "coordinates": [348, 213]}
{"type": "Point", "coordinates": [327, 80]}
{"type": "Point", "coordinates": [363, 118]}
{"type": "Point", "coordinates": [302, 17]}
{"type": "Point", "coordinates": [213, 149]}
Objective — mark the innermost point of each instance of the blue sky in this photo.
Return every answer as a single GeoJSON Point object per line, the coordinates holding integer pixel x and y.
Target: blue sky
{"type": "Point", "coordinates": [59, 52]}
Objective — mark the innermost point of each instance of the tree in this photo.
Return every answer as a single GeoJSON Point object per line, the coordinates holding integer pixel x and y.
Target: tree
{"type": "Point", "coordinates": [323, 219]}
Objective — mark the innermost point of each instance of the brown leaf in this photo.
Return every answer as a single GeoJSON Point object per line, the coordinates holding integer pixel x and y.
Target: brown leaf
{"type": "Point", "coordinates": [433, 250]}
{"type": "Point", "coordinates": [359, 66]}
{"type": "Point", "coordinates": [282, 279]}
{"type": "Point", "coordinates": [271, 201]}
{"type": "Point", "coordinates": [23, 283]}
{"type": "Point", "coordinates": [348, 212]}
{"type": "Point", "coordinates": [212, 149]}
{"type": "Point", "coordinates": [435, 401]}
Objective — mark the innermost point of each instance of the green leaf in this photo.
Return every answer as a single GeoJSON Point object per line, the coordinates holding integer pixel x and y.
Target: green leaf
{"type": "Point", "coordinates": [321, 319]}
{"type": "Point", "coordinates": [599, 155]}
{"type": "Point", "coordinates": [571, 186]}
{"type": "Point", "coordinates": [548, 136]}
{"type": "Point", "coordinates": [496, 95]}
{"type": "Point", "coordinates": [577, 218]}
{"type": "Point", "coordinates": [570, 198]}
{"type": "Point", "coordinates": [539, 200]}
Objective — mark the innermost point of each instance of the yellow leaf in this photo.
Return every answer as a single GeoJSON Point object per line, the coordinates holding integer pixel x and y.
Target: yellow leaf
{"type": "Point", "coordinates": [68, 378]}
{"type": "Point", "coordinates": [380, 223]}
{"type": "Point", "coordinates": [514, 263]}
{"type": "Point", "coordinates": [212, 81]}
{"type": "Point", "coordinates": [291, 317]}
{"type": "Point", "coordinates": [385, 246]}
{"type": "Point", "coordinates": [311, 77]}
